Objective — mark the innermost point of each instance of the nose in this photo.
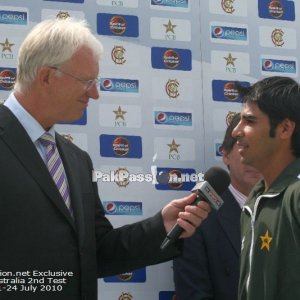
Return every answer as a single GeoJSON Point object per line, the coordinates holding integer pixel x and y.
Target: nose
{"type": "Point", "coordinates": [93, 92]}
{"type": "Point", "coordinates": [237, 132]}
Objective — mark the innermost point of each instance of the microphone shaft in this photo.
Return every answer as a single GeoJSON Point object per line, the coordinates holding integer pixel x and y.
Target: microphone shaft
{"type": "Point", "coordinates": [176, 231]}
{"type": "Point", "coordinates": [214, 178]}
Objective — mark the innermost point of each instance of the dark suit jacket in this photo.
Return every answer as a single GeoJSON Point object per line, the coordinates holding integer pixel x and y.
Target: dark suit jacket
{"type": "Point", "coordinates": [38, 233]}
{"type": "Point", "coordinates": [209, 267]}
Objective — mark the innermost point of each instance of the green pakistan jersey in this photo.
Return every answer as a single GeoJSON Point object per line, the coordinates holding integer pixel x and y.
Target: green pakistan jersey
{"type": "Point", "coordinates": [270, 250]}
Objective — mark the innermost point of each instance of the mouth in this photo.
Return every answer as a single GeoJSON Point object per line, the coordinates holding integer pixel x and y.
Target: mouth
{"type": "Point", "coordinates": [241, 147]}
{"type": "Point", "coordinates": [84, 103]}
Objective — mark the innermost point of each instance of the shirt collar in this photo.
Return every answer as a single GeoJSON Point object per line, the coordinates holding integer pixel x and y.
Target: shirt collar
{"type": "Point", "coordinates": [239, 197]}
{"type": "Point", "coordinates": [30, 124]}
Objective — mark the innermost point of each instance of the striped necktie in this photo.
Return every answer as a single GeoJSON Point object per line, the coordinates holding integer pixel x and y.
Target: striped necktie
{"type": "Point", "coordinates": [56, 168]}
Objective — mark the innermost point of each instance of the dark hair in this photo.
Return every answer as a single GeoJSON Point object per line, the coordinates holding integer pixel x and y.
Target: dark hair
{"type": "Point", "coordinates": [279, 98]}
{"type": "Point", "coordinates": [229, 140]}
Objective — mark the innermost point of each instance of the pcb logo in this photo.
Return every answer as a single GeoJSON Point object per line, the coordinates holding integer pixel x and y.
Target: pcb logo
{"type": "Point", "coordinates": [173, 150]}
{"type": "Point", "coordinates": [7, 52]}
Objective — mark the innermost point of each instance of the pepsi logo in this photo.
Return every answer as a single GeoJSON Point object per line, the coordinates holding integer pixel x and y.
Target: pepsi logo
{"type": "Point", "coordinates": [218, 32]}
{"type": "Point", "coordinates": [219, 149]}
{"type": "Point", "coordinates": [110, 207]}
{"type": "Point", "coordinates": [161, 117]}
{"type": "Point", "coordinates": [268, 64]}
{"type": "Point", "coordinates": [107, 84]}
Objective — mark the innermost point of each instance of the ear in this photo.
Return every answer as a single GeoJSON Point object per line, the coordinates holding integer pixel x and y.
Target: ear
{"type": "Point", "coordinates": [286, 128]}
{"type": "Point", "coordinates": [44, 76]}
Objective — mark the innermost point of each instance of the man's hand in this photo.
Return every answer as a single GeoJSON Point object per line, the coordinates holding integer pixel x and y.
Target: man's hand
{"type": "Point", "coordinates": [189, 217]}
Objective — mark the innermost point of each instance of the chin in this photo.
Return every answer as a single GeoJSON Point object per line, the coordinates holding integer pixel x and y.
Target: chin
{"type": "Point", "coordinates": [72, 119]}
{"type": "Point", "coordinates": [245, 161]}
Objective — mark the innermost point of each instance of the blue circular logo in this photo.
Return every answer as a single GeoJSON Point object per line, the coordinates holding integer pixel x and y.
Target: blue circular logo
{"type": "Point", "coordinates": [218, 32]}
{"type": "Point", "coordinates": [110, 207]}
{"type": "Point", "coordinates": [268, 64]}
{"type": "Point", "coordinates": [107, 84]}
{"type": "Point", "coordinates": [161, 117]}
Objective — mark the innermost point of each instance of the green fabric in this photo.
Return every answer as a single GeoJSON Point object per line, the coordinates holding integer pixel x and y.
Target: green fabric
{"type": "Point", "coordinates": [270, 229]}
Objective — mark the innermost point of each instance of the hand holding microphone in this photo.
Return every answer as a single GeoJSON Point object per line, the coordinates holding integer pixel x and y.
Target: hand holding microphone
{"type": "Point", "coordinates": [216, 180]}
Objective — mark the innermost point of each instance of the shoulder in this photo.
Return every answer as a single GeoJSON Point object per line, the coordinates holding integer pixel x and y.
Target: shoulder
{"type": "Point", "coordinates": [66, 143]}
{"type": "Point", "coordinates": [227, 195]}
{"type": "Point", "coordinates": [292, 191]}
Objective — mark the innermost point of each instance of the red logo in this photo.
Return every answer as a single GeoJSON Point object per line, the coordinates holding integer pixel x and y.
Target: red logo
{"type": "Point", "coordinates": [171, 59]}
{"type": "Point", "coordinates": [276, 9]}
{"type": "Point", "coordinates": [125, 276]}
{"type": "Point", "coordinates": [230, 91]}
{"type": "Point", "coordinates": [117, 25]}
{"type": "Point", "coordinates": [7, 79]}
{"type": "Point", "coordinates": [175, 180]}
{"type": "Point", "coordinates": [121, 146]}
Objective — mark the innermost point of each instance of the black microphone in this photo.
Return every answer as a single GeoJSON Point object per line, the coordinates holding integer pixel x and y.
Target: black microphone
{"type": "Point", "coordinates": [216, 181]}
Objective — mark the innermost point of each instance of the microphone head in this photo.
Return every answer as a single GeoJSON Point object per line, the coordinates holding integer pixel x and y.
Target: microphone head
{"type": "Point", "coordinates": [218, 178]}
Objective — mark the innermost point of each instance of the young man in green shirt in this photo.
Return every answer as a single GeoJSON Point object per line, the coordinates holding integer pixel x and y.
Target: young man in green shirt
{"type": "Point", "coordinates": [268, 137]}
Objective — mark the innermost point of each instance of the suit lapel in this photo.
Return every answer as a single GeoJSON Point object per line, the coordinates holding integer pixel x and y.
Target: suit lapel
{"type": "Point", "coordinates": [229, 218]}
{"type": "Point", "coordinates": [17, 139]}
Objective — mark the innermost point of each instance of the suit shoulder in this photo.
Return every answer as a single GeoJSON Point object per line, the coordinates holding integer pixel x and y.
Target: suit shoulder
{"type": "Point", "coordinates": [67, 141]}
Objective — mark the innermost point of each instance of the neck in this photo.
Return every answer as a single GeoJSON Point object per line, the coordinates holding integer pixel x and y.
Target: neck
{"type": "Point", "coordinates": [271, 173]}
{"type": "Point", "coordinates": [34, 107]}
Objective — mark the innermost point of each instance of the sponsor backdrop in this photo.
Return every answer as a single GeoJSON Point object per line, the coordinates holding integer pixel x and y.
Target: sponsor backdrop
{"type": "Point", "coordinates": [167, 94]}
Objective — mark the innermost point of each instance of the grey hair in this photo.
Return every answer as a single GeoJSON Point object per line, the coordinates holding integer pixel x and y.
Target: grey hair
{"type": "Point", "coordinates": [52, 43]}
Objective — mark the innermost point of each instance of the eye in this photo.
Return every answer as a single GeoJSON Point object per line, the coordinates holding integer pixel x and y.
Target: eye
{"type": "Point", "coordinates": [249, 120]}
